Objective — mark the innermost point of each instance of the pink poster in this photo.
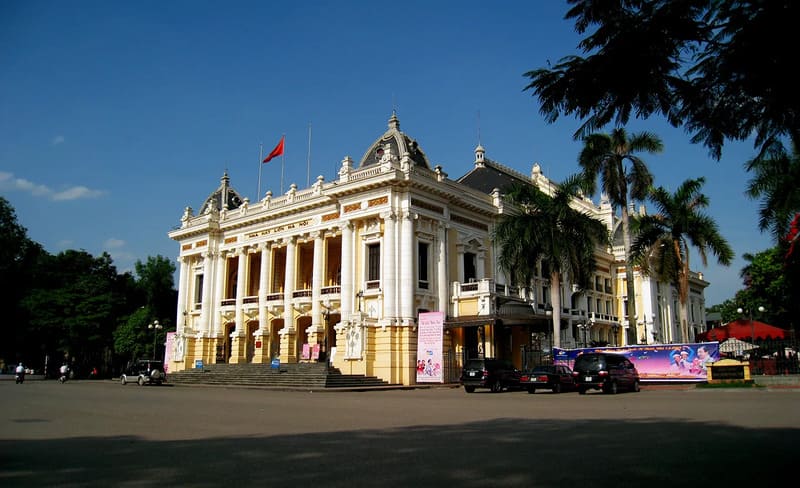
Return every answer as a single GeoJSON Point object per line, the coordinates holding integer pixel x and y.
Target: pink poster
{"type": "Point", "coordinates": [170, 343]}
{"type": "Point", "coordinates": [430, 332]}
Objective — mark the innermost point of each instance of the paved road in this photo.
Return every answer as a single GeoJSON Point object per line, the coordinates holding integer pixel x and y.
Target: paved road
{"type": "Point", "coordinates": [84, 434]}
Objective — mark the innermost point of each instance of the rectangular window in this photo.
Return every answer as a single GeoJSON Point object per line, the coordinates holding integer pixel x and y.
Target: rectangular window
{"type": "Point", "coordinates": [469, 267]}
{"type": "Point", "coordinates": [373, 262]}
{"type": "Point", "coordinates": [198, 291]}
{"type": "Point", "coordinates": [422, 264]}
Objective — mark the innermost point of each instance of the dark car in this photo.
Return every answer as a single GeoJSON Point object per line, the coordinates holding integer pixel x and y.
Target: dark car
{"type": "Point", "coordinates": [494, 374]}
{"type": "Point", "coordinates": [144, 372]}
{"type": "Point", "coordinates": [604, 371]}
{"type": "Point", "coordinates": [554, 377]}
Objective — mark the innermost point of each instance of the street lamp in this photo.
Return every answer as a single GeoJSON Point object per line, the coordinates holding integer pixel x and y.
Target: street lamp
{"type": "Point", "coordinates": [614, 331]}
{"type": "Point", "coordinates": [752, 325]}
{"type": "Point", "coordinates": [585, 327]}
{"type": "Point", "coordinates": [156, 327]}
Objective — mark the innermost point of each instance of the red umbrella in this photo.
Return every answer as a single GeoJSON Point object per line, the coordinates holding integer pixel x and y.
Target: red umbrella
{"type": "Point", "coordinates": [744, 329]}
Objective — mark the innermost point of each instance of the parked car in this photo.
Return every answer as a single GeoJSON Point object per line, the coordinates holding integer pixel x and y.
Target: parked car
{"type": "Point", "coordinates": [144, 372]}
{"type": "Point", "coordinates": [494, 374]}
{"type": "Point", "coordinates": [554, 377]}
{"type": "Point", "coordinates": [604, 371]}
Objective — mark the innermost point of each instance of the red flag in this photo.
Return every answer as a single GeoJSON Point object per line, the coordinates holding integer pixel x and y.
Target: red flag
{"type": "Point", "coordinates": [278, 151]}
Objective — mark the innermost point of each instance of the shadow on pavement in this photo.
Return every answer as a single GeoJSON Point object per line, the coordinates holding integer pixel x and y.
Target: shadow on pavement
{"type": "Point", "coordinates": [501, 452]}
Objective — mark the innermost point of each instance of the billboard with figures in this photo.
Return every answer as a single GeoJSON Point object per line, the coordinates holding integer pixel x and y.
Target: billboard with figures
{"type": "Point", "coordinates": [657, 362]}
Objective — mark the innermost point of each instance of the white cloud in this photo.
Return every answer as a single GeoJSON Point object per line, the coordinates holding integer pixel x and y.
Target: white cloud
{"type": "Point", "coordinates": [76, 193]}
{"type": "Point", "coordinates": [9, 183]}
{"type": "Point", "coordinates": [113, 243]}
{"type": "Point", "coordinates": [58, 140]}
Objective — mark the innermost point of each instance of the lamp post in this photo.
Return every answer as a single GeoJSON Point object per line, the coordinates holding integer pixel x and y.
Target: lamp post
{"type": "Point", "coordinates": [548, 312]}
{"type": "Point", "coordinates": [585, 327]}
{"type": "Point", "coordinates": [752, 325]}
{"type": "Point", "coordinates": [156, 327]}
{"type": "Point", "coordinates": [614, 331]}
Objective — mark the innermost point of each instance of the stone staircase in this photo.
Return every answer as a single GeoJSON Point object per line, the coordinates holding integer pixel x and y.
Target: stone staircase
{"type": "Point", "coordinates": [316, 376]}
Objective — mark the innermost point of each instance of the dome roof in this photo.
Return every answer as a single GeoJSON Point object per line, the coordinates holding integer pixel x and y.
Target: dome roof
{"type": "Point", "coordinates": [394, 144]}
{"type": "Point", "coordinates": [223, 197]}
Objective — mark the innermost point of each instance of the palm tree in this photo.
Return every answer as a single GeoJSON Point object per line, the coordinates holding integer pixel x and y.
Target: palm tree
{"type": "Point", "coordinates": [776, 181]}
{"type": "Point", "coordinates": [604, 155]}
{"type": "Point", "coordinates": [549, 230]}
{"type": "Point", "coordinates": [663, 239]}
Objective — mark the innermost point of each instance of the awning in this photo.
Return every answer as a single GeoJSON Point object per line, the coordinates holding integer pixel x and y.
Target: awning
{"type": "Point", "coordinates": [736, 346]}
{"type": "Point", "coordinates": [744, 329]}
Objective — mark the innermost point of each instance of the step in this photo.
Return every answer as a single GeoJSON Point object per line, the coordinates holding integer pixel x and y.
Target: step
{"type": "Point", "coordinates": [297, 375]}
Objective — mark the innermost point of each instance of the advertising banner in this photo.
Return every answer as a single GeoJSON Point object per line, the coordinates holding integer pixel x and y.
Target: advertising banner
{"type": "Point", "coordinates": [430, 333]}
{"type": "Point", "coordinates": [168, 348]}
{"type": "Point", "coordinates": [657, 362]}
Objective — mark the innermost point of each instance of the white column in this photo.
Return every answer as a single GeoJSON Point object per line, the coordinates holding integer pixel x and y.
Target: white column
{"type": "Point", "coordinates": [208, 284]}
{"type": "Point", "coordinates": [316, 280]}
{"type": "Point", "coordinates": [407, 267]}
{"type": "Point", "coordinates": [348, 265]}
{"type": "Point", "coordinates": [263, 285]}
{"type": "Point", "coordinates": [460, 262]}
{"type": "Point", "coordinates": [481, 265]}
{"type": "Point", "coordinates": [442, 281]}
{"type": "Point", "coordinates": [288, 286]}
{"type": "Point", "coordinates": [389, 275]}
{"type": "Point", "coordinates": [220, 270]}
{"type": "Point", "coordinates": [183, 308]}
{"type": "Point", "coordinates": [241, 281]}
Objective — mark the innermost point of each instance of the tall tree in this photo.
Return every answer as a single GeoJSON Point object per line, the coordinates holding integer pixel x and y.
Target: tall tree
{"type": "Point", "coordinates": [604, 156]}
{"type": "Point", "coordinates": [155, 281]}
{"type": "Point", "coordinates": [548, 230]}
{"type": "Point", "coordinates": [18, 255]}
{"type": "Point", "coordinates": [664, 239]}
{"type": "Point", "coordinates": [716, 68]}
{"type": "Point", "coordinates": [767, 284]}
{"type": "Point", "coordinates": [74, 306]}
{"type": "Point", "coordinates": [776, 180]}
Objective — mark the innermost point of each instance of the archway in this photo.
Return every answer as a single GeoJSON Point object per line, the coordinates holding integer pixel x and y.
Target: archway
{"type": "Point", "coordinates": [250, 340]}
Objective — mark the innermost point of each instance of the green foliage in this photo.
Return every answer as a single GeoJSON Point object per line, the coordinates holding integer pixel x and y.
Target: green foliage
{"type": "Point", "coordinates": [715, 68]}
{"type": "Point", "coordinates": [776, 179]}
{"type": "Point", "coordinates": [130, 337]}
{"type": "Point", "coordinates": [548, 230]}
{"type": "Point", "coordinates": [76, 306]}
{"type": "Point", "coordinates": [664, 238]}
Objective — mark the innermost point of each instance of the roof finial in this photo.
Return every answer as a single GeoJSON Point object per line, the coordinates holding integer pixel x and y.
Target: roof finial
{"type": "Point", "coordinates": [479, 127]}
{"type": "Point", "coordinates": [394, 123]}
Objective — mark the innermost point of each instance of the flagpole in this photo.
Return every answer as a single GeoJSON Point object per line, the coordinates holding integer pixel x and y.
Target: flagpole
{"type": "Point", "coordinates": [282, 161]}
{"type": "Point", "coordinates": [260, 164]}
{"type": "Point", "coordinates": [308, 160]}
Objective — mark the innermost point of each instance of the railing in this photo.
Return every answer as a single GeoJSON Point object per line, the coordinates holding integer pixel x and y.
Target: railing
{"type": "Point", "coordinates": [301, 293]}
{"type": "Point", "coordinates": [331, 290]}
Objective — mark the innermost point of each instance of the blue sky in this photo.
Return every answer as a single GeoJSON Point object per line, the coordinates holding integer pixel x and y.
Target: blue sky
{"type": "Point", "coordinates": [114, 116]}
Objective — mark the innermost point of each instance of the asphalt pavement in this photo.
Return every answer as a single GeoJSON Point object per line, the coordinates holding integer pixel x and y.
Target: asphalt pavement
{"type": "Point", "coordinates": [100, 433]}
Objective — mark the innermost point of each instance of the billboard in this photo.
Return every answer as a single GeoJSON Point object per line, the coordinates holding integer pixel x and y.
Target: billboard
{"type": "Point", "coordinates": [429, 347]}
{"type": "Point", "coordinates": [657, 362]}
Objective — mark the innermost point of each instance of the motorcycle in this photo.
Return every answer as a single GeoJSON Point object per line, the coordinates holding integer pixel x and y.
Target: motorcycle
{"type": "Point", "coordinates": [63, 377]}
{"type": "Point", "coordinates": [19, 377]}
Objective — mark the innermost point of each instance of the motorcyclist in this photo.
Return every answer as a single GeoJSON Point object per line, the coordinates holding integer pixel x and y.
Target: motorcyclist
{"type": "Point", "coordinates": [19, 373]}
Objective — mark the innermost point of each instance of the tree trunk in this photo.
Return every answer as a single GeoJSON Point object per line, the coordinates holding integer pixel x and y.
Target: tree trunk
{"type": "Point", "coordinates": [630, 285]}
{"type": "Point", "coordinates": [555, 302]}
